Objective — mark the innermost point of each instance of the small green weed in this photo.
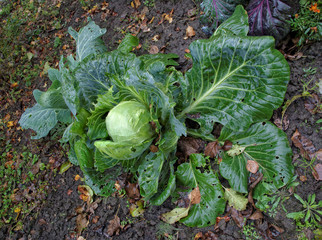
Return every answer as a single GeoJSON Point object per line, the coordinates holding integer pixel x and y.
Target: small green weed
{"type": "Point", "coordinates": [309, 217]}
{"type": "Point", "coordinates": [250, 232]}
{"type": "Point", "coordinates": [149, 3]}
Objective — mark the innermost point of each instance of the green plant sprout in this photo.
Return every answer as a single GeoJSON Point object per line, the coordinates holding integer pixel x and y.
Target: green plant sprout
{"type": "Point", "coordinates": [305, 164]}
{"type": "Point", "coordinates": [250, 232]}
{"type": "Point", "coordinates": [310, 214]}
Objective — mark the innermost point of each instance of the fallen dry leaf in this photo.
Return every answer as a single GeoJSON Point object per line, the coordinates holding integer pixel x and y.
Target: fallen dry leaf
{"type": "Point", "coordinates": [153, 49]}
{"type": "Point", "coordinates": [132, 190]}
{"type": "Point", "coordinates": [77, 177]}
{"type": "Point", "coordinates": [154, 148]}
{"type": "Point", "coordinates": [81, 222]}
{"type": "Point", "coordinates": [189, 145]}
{"type": "Point", "coordinates": [256, 215]}
{"type": "Point", "coordinates": [252, 166]}
{"type": "Point", "coordinates": [227, 145]}
{"type": "Point", "coordinates": [305, 145]}
{"type": "Point", "coordinates": [317, 173]}
{"type": "Point", "coordinates": [313, 103]}
{"type": "Point", "coordinates": [156, 38]}
{"type": "Point", "coordinates": [212, 149]}
{"type": "Point", "coordinates": [190, 32]}
{"type": "Point", "coordinates": [237, 217]}
{"type": "Point", "coordinates": [137, 3]}
{"type": "Point", "coordinates": [195, 196]}
{"type": "Point", "coordinates": [114, 226]}
{"type": "Point", "coordinates": [198, 236]}
{"type": "Point", "coordinates": [303, 178]}
{"type": "Point", "coordinates": [95, 219]}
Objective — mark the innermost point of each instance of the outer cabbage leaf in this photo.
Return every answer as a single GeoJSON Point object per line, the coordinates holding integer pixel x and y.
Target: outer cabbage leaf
{"type": "Point", "coordinates": [68, 89]}
{"type": "Point", "coordinates": [166, 189]}
{"type": "Point", "coordinates": [219, 10]}
{"type": "Point", "coordinates": [122, 150]}
{"type": "Point", "coordinates": [102, 162]}
{"type": "Point", "coordinates": [212, 201]}
{"type": "Point", "coordinates": [235, 80]}
{"type": "Point", "coordinates": [263, 143]}
{"type": "Point", "coordinates": [269, 17]}
{"type": "Point", "coordinates": [50, 109]}
{"type": "Point", "coordinates": [144, 87]}
{"type": "Point", "coordinates": [88, 40]}
{"type": "Point", "coordinates": [39, 119]}
{"type": "Point", "coordinates": [236, 24]}
{"type": "Point", "coordinates": [96, 122]}
{"type": "Point", "coordinates": [149, 173]}
{"type": "Point", "coordinates": [93, 74]}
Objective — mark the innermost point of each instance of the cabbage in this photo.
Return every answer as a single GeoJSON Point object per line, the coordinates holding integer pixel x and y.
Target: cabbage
{"type": "Point", "coordinates": [128, 124]}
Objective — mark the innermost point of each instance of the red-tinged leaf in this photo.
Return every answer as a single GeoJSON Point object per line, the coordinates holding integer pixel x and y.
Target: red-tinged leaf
{"type": "Point", "coordinates": [69, 192]}
{"type": "Point", "coordinates": [114, 226]}
{"type": "Point", "coordinates": [317, 173]}
{"type": "Point", "coordinates": [305, 145]}
{"type": "Point", "coordinates": [212, 149]}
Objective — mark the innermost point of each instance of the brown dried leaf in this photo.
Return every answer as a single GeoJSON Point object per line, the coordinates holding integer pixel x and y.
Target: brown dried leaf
{"type": "Point", "coordinates": [227, 145]}
{"type": "Point", "coordinates": [256, 215]}
{"type": "Point", "coordinates": [305, 145]}
{"type": "Point", "coordinates": [189, 145]}
{"type": "Point", "coordinates": [154, 148]}
{"type": "Point", "coordinates": [252, 166]}
{"type": "Point", "coordinates": [195, 196]}
{"type": "Point", "coordinates": [212, 149]}
{"type": "Point", "coordinates": [81, 222]}
{"type": "Point", "coordinates": [114, 226]}
{"type": "Point", "coordinates": [95, 219]}
{"type": "Point", "coordinates": [317, 173]}
{"type": "Point", "coordinates": [303, 178]}
{"type": "Point", "coordinates": [312, 104]}
{"type": "Point", "coordinates": [137, 3]}
{"type": "Point", "coordinates": [153, 49]}
{"type": "Point", "coordinates": [190, 32]}
{"type": "Point", "coordinates": [198, 236]}
{"type": "Point", "coordinates": [318, 155]}
{"type": "Point", "coordinates": [132, 190]}
{"type": "Point", "coordinates": [237, 217]}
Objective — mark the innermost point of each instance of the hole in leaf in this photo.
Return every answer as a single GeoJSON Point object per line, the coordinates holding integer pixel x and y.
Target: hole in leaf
{"type": "Point", "coordinates": [133, 149]}
{"type": "Point", "coordinates": [277, 157]}
{"type": "Point", "coordinates": [263, 123]}
{"type": "Point", "coordinates": [242, 100]}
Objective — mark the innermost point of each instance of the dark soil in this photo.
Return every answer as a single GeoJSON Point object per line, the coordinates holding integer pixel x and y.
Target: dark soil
{"type": "Point", "coordinates": [56, 217]}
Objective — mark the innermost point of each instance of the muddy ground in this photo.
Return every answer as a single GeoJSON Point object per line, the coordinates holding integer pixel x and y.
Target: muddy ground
{"type": "Point", "coordinates": [56, 214]}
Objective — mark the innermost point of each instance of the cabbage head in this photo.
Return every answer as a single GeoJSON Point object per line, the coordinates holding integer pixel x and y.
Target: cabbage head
{"type": "Point", "coordinates": [128, 126]}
